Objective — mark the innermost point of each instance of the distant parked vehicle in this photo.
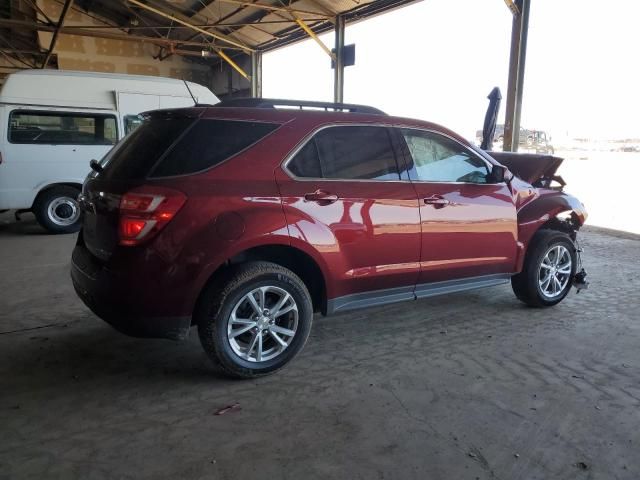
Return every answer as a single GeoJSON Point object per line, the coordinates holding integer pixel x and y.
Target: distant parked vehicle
{"type": "Point", "coordinates": [53, 123]}
{"type": "Point", "coordinates": [537, 140]}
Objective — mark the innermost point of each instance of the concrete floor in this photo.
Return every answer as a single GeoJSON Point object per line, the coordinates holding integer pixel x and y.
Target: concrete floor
{"type": "Point", "coordinates": [467, 386]}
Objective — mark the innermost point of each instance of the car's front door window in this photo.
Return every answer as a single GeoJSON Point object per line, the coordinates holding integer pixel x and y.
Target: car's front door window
{"type": "Point", "coordinates": [436, 158]}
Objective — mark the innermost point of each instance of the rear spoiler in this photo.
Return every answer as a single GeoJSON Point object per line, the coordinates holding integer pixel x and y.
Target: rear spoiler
{"type": "Point", "coordinates": [538, 170]}
{"type": "Point", "coordinates": [168, 113]}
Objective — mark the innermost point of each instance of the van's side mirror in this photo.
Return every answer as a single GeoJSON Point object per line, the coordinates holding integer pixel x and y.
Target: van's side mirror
{"type": "Point", "coordinates": [499, 174]}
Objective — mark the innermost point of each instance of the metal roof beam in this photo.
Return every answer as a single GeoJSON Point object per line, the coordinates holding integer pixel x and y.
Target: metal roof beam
{"type": "Point", "coordinates": [56, 32]}
{"type": "Point", "coordinates": [233, 64]}
{"type": "Point", "coordinates": [182, 27]}
{"type": "Point", "coordinates": [186, 23]}
{"type": "Point", "coordinates": [273, 8]}
{"type": "Point", "coordinates": [34, 4]}
{"type": "Point", "coordinates": [82, 32]}
{"type": "Point", "coordinates": [218, 36]}
{"type": "Point", "coordinates": [315, 37]}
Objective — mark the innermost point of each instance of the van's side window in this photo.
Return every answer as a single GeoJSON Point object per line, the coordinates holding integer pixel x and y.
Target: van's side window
{"type": "Point", "coordinates": [61, 128]}
{"type": "Point", "coordinates": [131, 122]}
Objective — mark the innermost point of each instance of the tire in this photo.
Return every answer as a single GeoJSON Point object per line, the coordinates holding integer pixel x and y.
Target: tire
{"type": "Point", "coordinates": [230, 298]}
{"type": "Point", "coordinates": [529, 285]}
{"type": "Point", "coordinates": [57, 209]}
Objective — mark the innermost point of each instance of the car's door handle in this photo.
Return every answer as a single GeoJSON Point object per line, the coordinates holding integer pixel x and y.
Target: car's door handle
{"type": "Point", "coordinates": [437, 200]}
{"type": "Point", "coordinates": [322, 197]}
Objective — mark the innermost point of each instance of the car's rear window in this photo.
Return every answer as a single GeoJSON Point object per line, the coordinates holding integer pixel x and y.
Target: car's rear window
{"type": "Point", "coordinates": [208, 143]}
{"type": "Point", "coordinates": [136, 154]}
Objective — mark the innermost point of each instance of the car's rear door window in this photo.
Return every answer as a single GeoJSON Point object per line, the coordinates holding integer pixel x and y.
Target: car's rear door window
{"type": "Point", "coordinates": [210, 142]}
{"type": "Point", "coordinates": [347, 153]}
{"type": "Point", "coordinates": [306, 163]}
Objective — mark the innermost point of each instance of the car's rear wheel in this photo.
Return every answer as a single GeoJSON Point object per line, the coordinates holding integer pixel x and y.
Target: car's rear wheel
{"type": "Point", "coordinates": [256, 320]}
{"type": "Point", "coordinates": [57, 209]}
{"type": "Point", "coordinates": [549, 269]}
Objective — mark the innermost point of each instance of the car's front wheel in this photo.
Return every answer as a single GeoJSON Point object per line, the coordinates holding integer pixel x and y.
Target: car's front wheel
{"type": "Point", "coordinates": [256, 320]}
{"type": "Point", "coordinates": [548, 271]}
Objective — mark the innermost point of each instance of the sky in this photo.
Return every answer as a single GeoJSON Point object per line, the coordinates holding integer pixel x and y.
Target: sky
{"type": "Point", "coordinates": [438, 59]}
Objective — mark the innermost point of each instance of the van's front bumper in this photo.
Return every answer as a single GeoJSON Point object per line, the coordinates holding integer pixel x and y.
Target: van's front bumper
{"type": "Point", "coordinates": [120, 302]}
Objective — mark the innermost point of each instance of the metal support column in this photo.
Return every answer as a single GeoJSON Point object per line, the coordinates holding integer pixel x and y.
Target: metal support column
{"type": "Point", "coordinates": [338, 73]}
{"type": "Point", "coordinates": [256, 74]}
{"type": "Point", "coordinates": [517, 61]}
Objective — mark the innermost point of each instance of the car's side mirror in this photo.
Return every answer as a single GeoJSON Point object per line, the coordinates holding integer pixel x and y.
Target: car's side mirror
{"type": "Point", "coordinates": [95, 166]}
{"type": "Point", "coordinates": [500, 174]}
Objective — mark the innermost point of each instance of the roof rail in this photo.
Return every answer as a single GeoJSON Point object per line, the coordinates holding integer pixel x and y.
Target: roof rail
{"type": "Point", "coordinates": [250, 102]}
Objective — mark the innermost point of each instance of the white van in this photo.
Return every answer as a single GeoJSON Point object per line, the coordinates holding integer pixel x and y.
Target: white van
{"type": "Point", "coordinates": [53, 123]}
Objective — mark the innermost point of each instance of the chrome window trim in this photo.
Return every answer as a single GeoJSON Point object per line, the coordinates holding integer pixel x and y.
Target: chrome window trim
{"type": "Point", "coordinates": [290, 156]}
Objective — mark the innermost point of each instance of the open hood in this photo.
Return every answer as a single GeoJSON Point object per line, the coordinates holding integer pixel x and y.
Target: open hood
{"type": "Point", "coordinates": [538, 170]}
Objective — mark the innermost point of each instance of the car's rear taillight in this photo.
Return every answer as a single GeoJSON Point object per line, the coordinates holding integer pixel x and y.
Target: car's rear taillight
{"type": "Point", "coordinates": [144, 211]}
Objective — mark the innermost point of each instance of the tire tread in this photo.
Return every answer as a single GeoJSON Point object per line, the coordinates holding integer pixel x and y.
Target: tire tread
{"type": "Point", "coordinates": [524, 284]}
{"type": "Point", "coordinates": [213, 301]}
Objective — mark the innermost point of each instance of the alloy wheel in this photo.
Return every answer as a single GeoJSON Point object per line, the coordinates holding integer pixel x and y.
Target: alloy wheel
{"type": "Point", "coordinates": [262, 324]}
{"type": "Point", "coordinates": [555, 271]}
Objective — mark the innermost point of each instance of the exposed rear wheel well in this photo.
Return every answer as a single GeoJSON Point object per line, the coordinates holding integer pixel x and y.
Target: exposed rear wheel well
{"type": "Point", "coordinates": [289, 257]}
{"type": "Point", "coordinates": [77, 186]}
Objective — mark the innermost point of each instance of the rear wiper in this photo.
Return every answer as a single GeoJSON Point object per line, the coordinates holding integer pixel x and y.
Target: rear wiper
{"type": "Point", "coordinates": [95, 166]}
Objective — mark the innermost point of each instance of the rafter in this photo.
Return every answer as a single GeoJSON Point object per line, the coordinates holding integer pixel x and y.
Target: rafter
{"type": "Point", "coordinates": [56, 32]}
{"type": "Point", "coordinates": [101, 34]}
{"type": "Point", "coordinates": [186, 23]}
{"type": "Point", "coordinates": [273, 8]}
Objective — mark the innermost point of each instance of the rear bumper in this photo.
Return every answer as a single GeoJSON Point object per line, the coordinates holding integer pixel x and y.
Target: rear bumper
{"type": "Point", "coordinates": [118, 302]}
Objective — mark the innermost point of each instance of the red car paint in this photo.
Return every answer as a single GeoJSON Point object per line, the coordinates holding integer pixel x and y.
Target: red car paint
{"type": "Point", "coordinates": [362, 236]}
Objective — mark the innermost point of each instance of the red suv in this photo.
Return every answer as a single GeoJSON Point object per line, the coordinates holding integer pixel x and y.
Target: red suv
{"type": "Point", "coordinates": [245, 218]}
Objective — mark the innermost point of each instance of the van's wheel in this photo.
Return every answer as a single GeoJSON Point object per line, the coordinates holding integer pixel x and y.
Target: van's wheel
{"type": "Point", "coordinates": [549, 269]}
{"type": "Point", "coordinates": [57, 209]}
{"type": "Point", "coordinates": [255, 320]}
